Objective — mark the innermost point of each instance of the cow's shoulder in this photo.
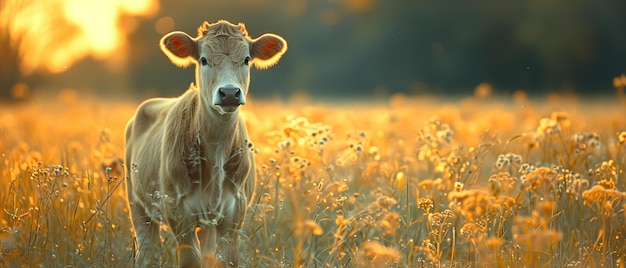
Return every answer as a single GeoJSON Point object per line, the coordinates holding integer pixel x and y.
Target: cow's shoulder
{"type": "Point", "coordinates": [151, 110]}
{"type": "Point", "coordinates": [149, 114]}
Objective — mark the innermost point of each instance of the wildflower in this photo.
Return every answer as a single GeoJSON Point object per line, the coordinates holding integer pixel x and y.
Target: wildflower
{"type": "Point", "coordinates": [588, 143]}
{"type": "Point", "coordinates": [502, 162]}
{"type": "Point", "coordinates": [541, 177]}
{"type": "Point", "coordinates": [603, 198]}
{"type": "Point", "coordinates": [602, 192]}
{"type": "Point", "coordinates": [440, 224]}
{"type": "Point", "coordinates": [607, 171]}
{"type": "Point", "coordinates": [473, 231]}
{"type": "Point", "coordinates": [501, 183]}
{"type": "Point", "coordinates": [525, 169]}
{"type": "Point", "coordinates": [471, 204]}
{"type": "Point", "coordinates": [576, 187]}
{"type": "Point", "coordinates": [508, 160]}
{"type": "Point", "coordinates": [562, 119]}
{"type": "Point", "coordinates": [506, 203]}
{"type": "Point", "coordinates": [400, 180]}
{"type": "Point", "coordinates": [445, 134]}
{"type": "Point", "coordinates": [435, 133]}
{"type": "Point", "coordinates": [622, 138]}
{"type": "Point", "coordinates": [609, 185]}
{"type": "Point", "coordinates": [441, 220]}
{"type": "Point", "coordinates": [548, 127]}
{"type": "Point", "coordinates": [458, 186]}
{"type": "Point", "coordinates": [341, 221]}
{"type": "Point", "coordinates": [425, 203]}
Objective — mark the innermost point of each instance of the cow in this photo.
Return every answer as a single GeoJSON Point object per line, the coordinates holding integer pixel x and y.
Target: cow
{"type": "Point", "coordinates": [189, 166]}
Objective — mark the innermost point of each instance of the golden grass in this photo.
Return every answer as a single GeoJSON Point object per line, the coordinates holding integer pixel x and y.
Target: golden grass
{"type": "Point", "coordinates": [409, 183]}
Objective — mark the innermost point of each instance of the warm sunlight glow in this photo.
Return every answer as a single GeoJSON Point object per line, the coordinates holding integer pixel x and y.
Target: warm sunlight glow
{"type": "Point", "coordinates": [53, 34]}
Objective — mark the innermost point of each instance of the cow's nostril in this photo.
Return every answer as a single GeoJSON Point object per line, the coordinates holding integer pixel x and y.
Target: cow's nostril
{"type": "Point", "coordinates": [229, 92]}
{"type": "Point", "coordinates": [227, 96]}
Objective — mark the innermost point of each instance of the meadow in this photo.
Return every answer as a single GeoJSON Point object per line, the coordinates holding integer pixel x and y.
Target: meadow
{"type": "Point", "coordinates": [402, 182]}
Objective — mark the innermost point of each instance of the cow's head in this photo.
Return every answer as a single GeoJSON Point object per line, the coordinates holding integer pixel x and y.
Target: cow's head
{"type": "Point", "coordinates": [223, 53]}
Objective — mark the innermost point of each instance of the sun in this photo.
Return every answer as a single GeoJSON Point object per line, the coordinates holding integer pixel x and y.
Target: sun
{"type": "Point", "coordinates": [51, 35]}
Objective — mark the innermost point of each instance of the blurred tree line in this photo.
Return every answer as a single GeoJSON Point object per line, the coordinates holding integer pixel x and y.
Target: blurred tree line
{"type": "Point", "coordinates": [362, 47]}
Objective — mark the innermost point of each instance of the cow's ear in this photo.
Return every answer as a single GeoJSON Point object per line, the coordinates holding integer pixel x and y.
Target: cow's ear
{"type": "Point", "coordinates": [267, 50]}
{"type": "Point", "coordinates": [180, 48]}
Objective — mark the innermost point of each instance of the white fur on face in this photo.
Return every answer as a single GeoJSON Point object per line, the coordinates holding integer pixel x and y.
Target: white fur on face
{"type": "Point", "coordinates": [222, 64]}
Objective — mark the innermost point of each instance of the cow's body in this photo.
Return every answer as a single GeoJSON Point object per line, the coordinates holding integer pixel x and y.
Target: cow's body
{"type": "Point", "coordinates": [187, 158]}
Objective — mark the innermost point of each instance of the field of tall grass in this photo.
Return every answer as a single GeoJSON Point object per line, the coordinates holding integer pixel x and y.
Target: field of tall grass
{"type": "Point", "coordinates": [405, 182]}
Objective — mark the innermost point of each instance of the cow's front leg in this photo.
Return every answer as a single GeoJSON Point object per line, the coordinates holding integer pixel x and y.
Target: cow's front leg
{"type": "Point", "coordinates": [233, 251]}
{"type": "Point", "coordinates": [147, 238]}
{"type": "Point", "coordinates": [188, 250]}
{"type": "Point", "coordinates": [234, 210]}
{"type": "Point", "coordinates": [208, 240]}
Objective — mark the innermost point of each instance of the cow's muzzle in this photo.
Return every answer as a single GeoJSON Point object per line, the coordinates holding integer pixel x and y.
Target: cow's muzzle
{"type": "Point", "coordinates": [230, 96]}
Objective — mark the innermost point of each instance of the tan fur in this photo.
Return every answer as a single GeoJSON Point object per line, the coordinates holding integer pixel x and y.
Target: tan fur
{"type": "Point", "coordinates": [188, 161]}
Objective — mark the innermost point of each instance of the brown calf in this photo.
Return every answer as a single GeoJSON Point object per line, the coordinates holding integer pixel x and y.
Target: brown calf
{"type": "Point", "coordinates": [188, 163]}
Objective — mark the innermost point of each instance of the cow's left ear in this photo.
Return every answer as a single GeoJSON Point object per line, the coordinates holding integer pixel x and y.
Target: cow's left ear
{"type": "Point", "coordinates": [267, 50]}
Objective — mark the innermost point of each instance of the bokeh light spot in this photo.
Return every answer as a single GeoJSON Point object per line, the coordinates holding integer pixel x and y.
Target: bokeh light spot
{"type": "Point", "coordinates": [164, 25]}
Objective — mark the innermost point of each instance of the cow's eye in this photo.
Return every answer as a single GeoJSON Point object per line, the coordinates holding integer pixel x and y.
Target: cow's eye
{"type": "Point", "coordinates": [203, 61]}
{"type": "Point", "coordinates": [246, 61]}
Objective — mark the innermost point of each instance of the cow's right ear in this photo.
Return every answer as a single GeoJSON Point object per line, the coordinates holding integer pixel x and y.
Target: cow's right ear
{"type": "Point", "coordinates": [180, 48]}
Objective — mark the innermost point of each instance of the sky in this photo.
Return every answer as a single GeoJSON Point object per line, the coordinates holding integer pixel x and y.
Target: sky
{"type": "Point", "coordinates": [337, 48]}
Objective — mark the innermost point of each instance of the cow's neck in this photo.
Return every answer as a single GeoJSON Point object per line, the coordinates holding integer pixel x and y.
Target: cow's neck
{"type": "Point", "coordinates": [216, 139]}
{"type": "Point", "coordinates": [217, 132]}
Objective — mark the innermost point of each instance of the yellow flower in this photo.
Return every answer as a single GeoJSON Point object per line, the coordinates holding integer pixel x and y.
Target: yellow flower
{"type": "Point", "coordinates": [501, 183]}
{"type": "Point", "coordinates": [472, 231]}
{"type": "Point", "coordinates": [425, 203]}
{"type": "Point", "coordinates": [622, 137]}
{"type": "Point", "coordinates": [471, 203]}
{"type": "Point", "coordinates": [539, 177]}
{"type": "Point", "coordinates": [340, 221]}
{"type": "Point", "coordinates": [598, 194]}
